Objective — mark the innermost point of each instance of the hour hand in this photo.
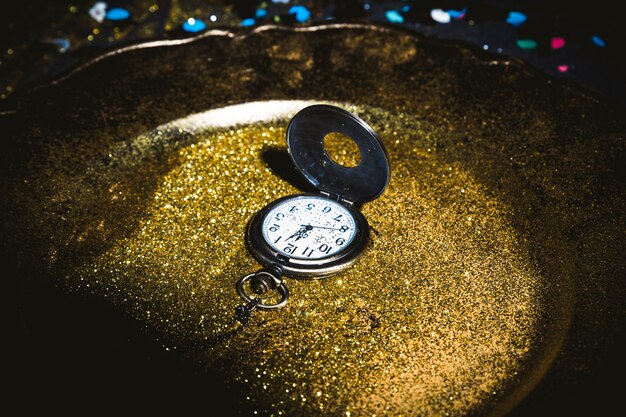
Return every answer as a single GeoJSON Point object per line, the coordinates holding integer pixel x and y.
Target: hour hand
{"type": "Point", "coordinates": [300, 233]}
{"type": "Point", "coordinates": [293, 235]}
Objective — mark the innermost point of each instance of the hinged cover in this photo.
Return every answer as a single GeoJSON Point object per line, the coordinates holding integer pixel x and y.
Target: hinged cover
{"type": "Point", "coordinates": [305, 142]}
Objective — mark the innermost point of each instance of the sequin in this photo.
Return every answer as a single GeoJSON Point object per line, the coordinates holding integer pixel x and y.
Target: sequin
{"type": "Point", "coordinates": [193, 25]}
{"type": "Point", "coordinates": [98, 11]}
{"type": "Point", "coordinates": [457, 14]}
{"type": "Point", "coordinates": [598, 41]}
{"type": "Point", "coordinates": [516, 18]}
{"type": "Point", "coordinates": [248, 22]}
{"type": "Point", "coordinates": [440, 16]}
{"type": "Point", "coordinates": [394, 16]}
{"type": "Point", "coordinates": [117, 13]}
{"type": "Point", "coordinates": [526, 43]}
{"type": "Point", "coordinates": [557, 43]}
{"type": "Point", "coordinates": [62, 44]}
{"type": "Point", "coordinates": [301, 13]}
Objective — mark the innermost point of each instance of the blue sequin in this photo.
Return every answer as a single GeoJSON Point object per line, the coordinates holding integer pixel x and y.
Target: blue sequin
{"type": "Point", "coordinates": [193, 25]}
{"type": "Point", "coordinates": [62, 44]}
{"type": "Point", "coordinates": [516, 18]}
{"type": "Point", "coordinates": [393, 16]}
{"type": "Point", "coordinates": [302, 13]}
{"type": "Point", "coordinates": [117, 14]}
{"type": "Point", "coordinates": [261, 13]}
{"type": "Point", "coordinates": [598, 41]}
{"type": "Point", "coordinates": [248, 22]}
{"type": "Point", "coordinates": [457, 14]}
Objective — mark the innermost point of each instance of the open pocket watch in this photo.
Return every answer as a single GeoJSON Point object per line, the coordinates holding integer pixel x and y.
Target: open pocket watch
{"type": "Point", "coordinates": [313, 236]}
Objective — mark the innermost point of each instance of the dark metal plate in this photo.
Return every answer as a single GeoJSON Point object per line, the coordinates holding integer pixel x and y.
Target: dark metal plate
{"type": "Point", "coordinates": [84, 159]}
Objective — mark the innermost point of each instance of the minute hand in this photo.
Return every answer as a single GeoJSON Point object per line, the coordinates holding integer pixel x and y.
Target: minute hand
{"type": "Point", "coordinates": [320, 227]}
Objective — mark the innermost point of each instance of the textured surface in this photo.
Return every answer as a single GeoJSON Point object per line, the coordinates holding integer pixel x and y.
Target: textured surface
{"type": "Point", "coordinates": [504, 206]}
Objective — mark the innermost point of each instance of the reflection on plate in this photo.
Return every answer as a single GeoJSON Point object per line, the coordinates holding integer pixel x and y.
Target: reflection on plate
{"type": "Point", "coordinates": [131, 182]}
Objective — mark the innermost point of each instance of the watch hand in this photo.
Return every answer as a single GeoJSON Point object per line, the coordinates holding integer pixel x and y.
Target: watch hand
{"type": "Point", "coordinates": [300, 233]}
{"type": "Point", "coordinates": [321, 227]}
{"type": "Point", "coordinates": [303, 232]}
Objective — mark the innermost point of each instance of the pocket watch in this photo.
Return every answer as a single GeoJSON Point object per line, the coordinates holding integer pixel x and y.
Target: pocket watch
{"type": "Point", "coordinates": [313, 236]}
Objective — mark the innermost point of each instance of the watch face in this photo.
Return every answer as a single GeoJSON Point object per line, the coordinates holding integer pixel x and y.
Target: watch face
{"type": "Point", "coordinates": [308, 227]}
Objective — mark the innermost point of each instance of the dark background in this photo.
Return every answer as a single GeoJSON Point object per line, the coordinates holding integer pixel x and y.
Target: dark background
{"type": "Point", "coordinates": [30, 29]}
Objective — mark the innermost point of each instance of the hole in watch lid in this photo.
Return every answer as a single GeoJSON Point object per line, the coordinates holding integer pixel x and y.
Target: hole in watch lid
{"type": "Point", "coordinates": [342, 149]}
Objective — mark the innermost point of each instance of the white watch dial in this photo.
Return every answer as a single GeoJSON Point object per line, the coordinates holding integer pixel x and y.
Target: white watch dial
{"type": "Point", "coordinates": [309, 227]}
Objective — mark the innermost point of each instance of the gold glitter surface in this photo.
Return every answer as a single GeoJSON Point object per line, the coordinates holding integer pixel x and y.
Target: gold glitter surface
{"type": "Point", "coordinates": [498, 214]}
{"type": "Point", "coordinates": [342, 149]}
{"type": "Point", "coordinates": [437, 315]}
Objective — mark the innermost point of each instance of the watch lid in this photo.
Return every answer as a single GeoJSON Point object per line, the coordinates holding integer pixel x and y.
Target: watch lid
{"type": "Point", "coordinates": [305, 143]}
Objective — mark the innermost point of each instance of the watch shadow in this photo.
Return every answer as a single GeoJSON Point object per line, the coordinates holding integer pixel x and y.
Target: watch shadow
{"type": "Point", "coordinates": [281, 164]}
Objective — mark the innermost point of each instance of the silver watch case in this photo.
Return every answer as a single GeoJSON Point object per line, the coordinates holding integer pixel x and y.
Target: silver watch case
{"type": "Point", "coordinates": [349, 186]}
{"type": "Point", "coordinates": [307, 268]}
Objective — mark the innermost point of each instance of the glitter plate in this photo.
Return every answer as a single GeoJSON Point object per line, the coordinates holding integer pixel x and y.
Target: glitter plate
{"type": "Point", "coordinates": [496, 262]}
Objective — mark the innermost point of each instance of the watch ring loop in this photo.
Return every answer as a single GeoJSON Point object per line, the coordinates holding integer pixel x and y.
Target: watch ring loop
{"type": "Point", "coordinates": [280, 287]}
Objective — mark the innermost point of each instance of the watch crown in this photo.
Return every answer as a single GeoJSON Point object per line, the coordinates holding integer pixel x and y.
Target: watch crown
{"type": "Point", "coordinates": [260, 284]}
{"type": "Point", "coordinates": [264, 281]}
